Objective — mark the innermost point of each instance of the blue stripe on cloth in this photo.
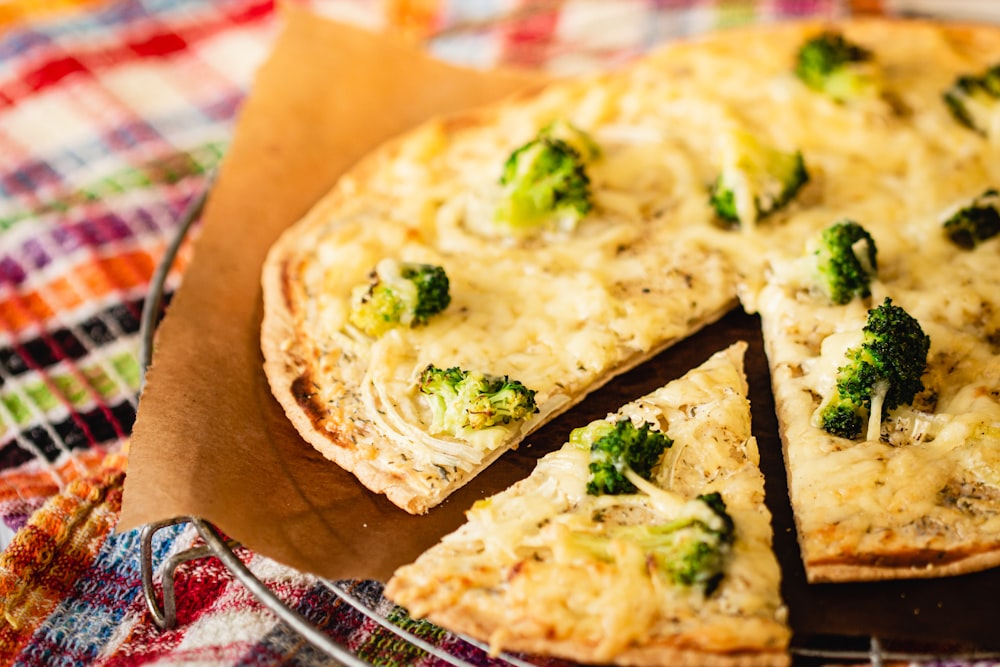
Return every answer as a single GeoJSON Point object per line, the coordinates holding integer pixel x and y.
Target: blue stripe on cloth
{"type": "Point", "coordinates": [91, 614]}
{"type": "Point", "coordinates": [20, 41]}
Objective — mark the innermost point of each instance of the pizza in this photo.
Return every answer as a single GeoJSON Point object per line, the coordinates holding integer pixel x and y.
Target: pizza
{"type": "Point", "coordinates": [676, 569]}
{"type": "Point", "coordinates": [481, 274]}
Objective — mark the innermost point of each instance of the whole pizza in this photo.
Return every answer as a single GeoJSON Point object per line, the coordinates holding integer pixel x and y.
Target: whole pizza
{"type": "Point", "coordinates": [471, 280]}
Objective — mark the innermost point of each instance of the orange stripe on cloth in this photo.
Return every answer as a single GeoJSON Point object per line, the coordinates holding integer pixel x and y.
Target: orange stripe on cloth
{"type": "Point", "coordinates": [46, 482]}
{"type": "Point", "coordinates": [46, 556]}
{"type": "Point", "coordinates": [414, 18]}
{"type": "Point", "coordinates": [92, 279]}
{"type": "Point", "coordinates": [19, 11]}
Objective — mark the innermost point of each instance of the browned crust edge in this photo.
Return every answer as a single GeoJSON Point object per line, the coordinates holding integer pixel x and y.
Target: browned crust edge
{"type": "Point", "coordinates": [485, 619]}
{"type": "Point", "coordinates": [473, 623]}
{"type": "Point", "coordinates": [832, 572]}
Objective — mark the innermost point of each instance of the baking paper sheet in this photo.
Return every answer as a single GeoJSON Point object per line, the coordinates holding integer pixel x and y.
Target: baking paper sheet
{"type": "Point", "coordinates": [209, 440]}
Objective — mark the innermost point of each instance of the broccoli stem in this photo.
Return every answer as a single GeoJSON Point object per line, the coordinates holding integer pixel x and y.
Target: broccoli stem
{"type": "Point", "coordinates": [671, 503]}
{"type": "Point", "coordinates": [879, 391]}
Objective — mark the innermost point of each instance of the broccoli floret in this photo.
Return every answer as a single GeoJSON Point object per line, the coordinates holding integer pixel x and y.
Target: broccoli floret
{"type": "Point", "coordinates": [462, 400]}
{"type": "Point", "coordinates": [579, 140]}
{"type": "Point", "coordinates": [545, 183]}
{"type": "Point", "coordinates": [883, 372]}
{"type": "Point", "coordinates": [755, 179]}
{"type": "Point", "coordinates": [974, 101]}
{"type": "Point", "coordinates": [842, 417]}
{"type": "Point", "coordinates": [832, 65]}
{"type": "Point", "coordinates": [976, 222]}
{"type": "Point", "coordinates": [686, 551]}
{"type": "Point", "coordinates": [616, 447]}
{"type": "Point", "coordinates": [845, 261]}
{"type": "Point", "coordinates": [399, 294]}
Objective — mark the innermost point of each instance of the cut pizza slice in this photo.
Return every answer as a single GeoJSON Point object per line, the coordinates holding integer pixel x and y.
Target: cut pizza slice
{"type": "Point", "coordinates": [414, 346]}
{"type": "Point", "coordinates": [643, 540]}
{"type": "Point", "coordinates": [889, 409]}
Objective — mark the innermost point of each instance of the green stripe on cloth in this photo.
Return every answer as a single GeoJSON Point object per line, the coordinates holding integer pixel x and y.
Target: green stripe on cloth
{"type": "Point", "coordinates": [730, 13]}
{"type": "Point", "coordinates": [73, 389]}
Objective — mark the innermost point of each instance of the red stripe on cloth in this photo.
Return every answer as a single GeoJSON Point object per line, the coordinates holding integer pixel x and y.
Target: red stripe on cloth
{"type": "Point", "coordinates": [526, 42]}
{"type": "Point", "coordinates": [201, 588]}
{"type": "Point", "coordinates": [252, 12]}
{"type": "Point", "coordinates": [161, 42]}
{"type": "Point", "coordinates": [54, 389]}
{"type": "Point", "coordinates": [53, 72]}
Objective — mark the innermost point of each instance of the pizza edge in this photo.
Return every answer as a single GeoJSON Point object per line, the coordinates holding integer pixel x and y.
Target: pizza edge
{"type": "Point", "coordinates": [465, 621]}
{"type": "Point", "coordinates": [825, 572]}
{"type": "Point", "coordinates": [286, 356]}
{"type": "Point", "coordinates": [288, 372]}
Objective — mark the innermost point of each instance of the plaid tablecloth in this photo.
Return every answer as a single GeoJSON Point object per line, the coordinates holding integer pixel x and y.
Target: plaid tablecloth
{"type": "Point", "coordinates": [111, 116]}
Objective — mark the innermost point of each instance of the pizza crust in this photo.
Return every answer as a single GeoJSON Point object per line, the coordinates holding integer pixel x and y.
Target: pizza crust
{"type": "Point", "coordinates": [927, 568]}
{"type": "Point", "coordinates": [894, 561]}
{"type": "Point", "coordinates": [467, 623]}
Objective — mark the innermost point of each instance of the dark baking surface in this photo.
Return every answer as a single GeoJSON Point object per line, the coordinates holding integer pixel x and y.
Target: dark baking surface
{"type": "Point", "coordinates": [949, 615]}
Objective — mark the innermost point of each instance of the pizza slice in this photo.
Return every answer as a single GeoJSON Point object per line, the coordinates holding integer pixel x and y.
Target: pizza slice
{"type": "Point", "coordinates": [643, 540]}
{"type": "Point", "coordinates": [461, 289]}
{"type": "Point", "coordinates": [886, 381]}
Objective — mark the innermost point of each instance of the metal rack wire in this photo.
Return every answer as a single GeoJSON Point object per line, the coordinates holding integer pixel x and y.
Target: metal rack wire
{"type": "Point", "coordinates": [873, 650]}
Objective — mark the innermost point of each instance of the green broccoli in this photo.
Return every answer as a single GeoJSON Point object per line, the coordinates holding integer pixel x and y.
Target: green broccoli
{"type": "Point", "coordinates": [579, 140]}
{"type": "Point", "coordinates": [687, 551]}
{"type": "Point", "coordinates": [545, 183]}
{"type": "Point", "coordinates": [399, 294]}
{"type": "Point", "coordinates": [461, 400]}
{"type": "Point", "coordinates": [976, 222]}
{"type": "Point", "coordinates": [832, 65]}
{"type": "Point", "coordinates": [842, 417]}
{"type": "Point", "coordinates": [616, 447]}
{"type": "Point", "coordinates": [845, 261]}
{"type": "Point", "coordinates": [974, 101]}
{"type": "Point", "coordinates": [755, 180]}
{"type": "Point", "coordinates": [883, 372]}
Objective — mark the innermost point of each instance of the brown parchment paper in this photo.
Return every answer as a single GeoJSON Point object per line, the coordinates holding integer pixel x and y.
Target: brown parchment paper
{"type": "Point", "coordinates": [209, 441]}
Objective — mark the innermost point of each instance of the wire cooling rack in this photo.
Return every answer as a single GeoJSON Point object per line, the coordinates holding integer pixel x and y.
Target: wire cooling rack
{"type": "Point", "coordinates": [805, 651]}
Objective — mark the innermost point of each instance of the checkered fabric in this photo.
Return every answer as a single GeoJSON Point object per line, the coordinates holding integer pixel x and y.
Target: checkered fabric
{"type": "Point", "coordinates": [112, 117]}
